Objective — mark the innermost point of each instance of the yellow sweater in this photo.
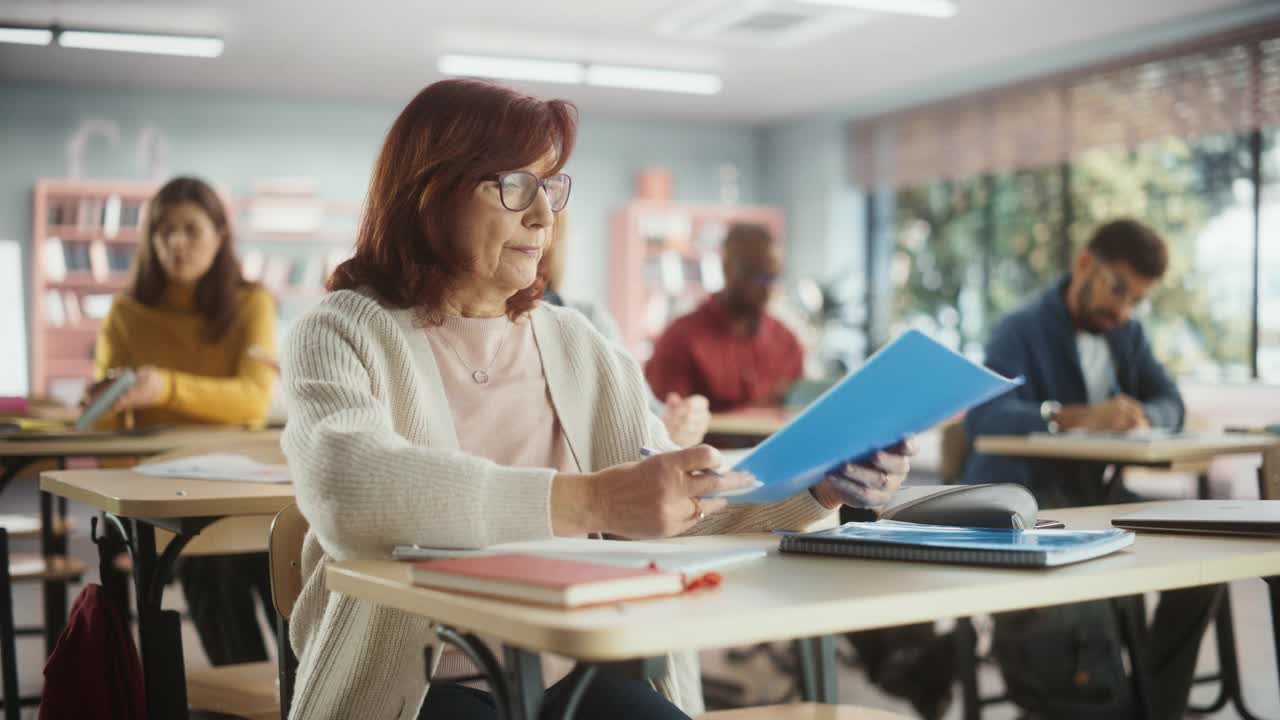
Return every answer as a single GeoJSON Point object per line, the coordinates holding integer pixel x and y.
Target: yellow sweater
{"type": "Point", "coordinates": [204, 382]}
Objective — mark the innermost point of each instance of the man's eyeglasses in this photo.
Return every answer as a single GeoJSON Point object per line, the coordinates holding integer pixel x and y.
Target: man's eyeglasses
{"type": "Point", "coordinates": [518, 189]}
{"type": "Point", "coordinates": [1120, 290]}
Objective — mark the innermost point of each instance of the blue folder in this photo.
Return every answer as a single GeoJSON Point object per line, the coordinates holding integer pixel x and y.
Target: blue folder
{"type": "Point", "coordinates": [909, 386]}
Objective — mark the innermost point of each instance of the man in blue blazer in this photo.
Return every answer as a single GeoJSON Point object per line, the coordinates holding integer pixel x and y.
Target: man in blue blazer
{"type": "Point", "coordinates": [1087, 364]}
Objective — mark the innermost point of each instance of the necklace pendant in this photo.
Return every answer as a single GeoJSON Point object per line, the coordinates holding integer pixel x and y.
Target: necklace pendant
{"type": "Point", "coordinates": [481, 377]}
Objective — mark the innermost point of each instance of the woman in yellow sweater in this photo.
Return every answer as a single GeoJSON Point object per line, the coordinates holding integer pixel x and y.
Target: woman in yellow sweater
{"type": "Point", "coordinates": [201, 340]}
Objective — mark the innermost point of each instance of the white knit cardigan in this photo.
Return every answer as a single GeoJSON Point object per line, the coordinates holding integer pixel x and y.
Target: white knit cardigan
{"type": "Point", "coordinates": [375, 460]}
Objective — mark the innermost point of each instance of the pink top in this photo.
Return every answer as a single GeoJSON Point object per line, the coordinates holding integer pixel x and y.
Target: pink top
{"type": "Point", "coordinates": [509, 419]}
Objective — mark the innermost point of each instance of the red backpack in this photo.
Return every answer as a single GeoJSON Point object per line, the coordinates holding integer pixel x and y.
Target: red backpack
{"type": "Point", "coordinates": [94, 670]}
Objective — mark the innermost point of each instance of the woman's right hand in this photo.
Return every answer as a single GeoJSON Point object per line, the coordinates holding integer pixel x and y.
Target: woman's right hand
{"type": "Point", "coordinates": [659, 496]}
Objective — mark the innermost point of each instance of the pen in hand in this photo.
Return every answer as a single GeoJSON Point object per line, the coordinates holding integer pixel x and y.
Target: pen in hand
{"type": "Point", "coordinates": [649, 452]}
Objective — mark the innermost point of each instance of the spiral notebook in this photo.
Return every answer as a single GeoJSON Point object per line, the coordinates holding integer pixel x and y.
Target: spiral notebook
{"type": "Point", "coordinates": [892, 540]}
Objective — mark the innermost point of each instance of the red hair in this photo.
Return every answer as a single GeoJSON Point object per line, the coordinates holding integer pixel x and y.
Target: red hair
{"type": "Point", "coordinates": [447, 138]}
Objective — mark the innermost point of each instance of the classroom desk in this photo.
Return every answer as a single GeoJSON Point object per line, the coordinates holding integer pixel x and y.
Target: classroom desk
{"type": "Point", "coordinates": [789, 596]}
{"type": "Point", "coordinates": [1168, 452]}
{"type": "Point", "coordinates": [16, 455]}
{"type": "Point", "coordinates": [1188, 453]}
{"type": "Point", "coordinates": [755, 424]}
{"type": "Point", "coordinates": [133, 507]}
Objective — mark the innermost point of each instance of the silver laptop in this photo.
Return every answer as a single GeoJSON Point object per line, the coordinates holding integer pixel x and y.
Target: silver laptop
{"type": "Point", "coordinates": [1227, 517]}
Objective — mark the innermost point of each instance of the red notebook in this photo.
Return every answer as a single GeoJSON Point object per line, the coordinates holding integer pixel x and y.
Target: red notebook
{"type": "Point", "coordinates": [545, 580]}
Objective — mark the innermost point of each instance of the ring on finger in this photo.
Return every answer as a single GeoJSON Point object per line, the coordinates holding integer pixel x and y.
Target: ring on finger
{"type": "Point", "coordinates": [698, 514]}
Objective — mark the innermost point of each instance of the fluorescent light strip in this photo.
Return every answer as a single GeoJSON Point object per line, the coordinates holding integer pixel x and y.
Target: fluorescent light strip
{"type": "Point", "coordinates": [510, 68]}
{"type": "Point", "coordinates": [25, 36]}
{"type": "Point", "coordinates": [185, 45]}
{"type": "Point", "coordinates": [925, 8]}
{"type": "Point", "coordinates": [636, 78]}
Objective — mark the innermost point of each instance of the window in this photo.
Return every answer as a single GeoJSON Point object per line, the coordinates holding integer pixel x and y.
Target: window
{"type": "Point", "coordinates": [1027, 218]}
{"type": "Point", "coordinates": [1199, 198]}
{"type": "Point", "coordinates": [1269, 261]}
{"type": "Point", "coordinates": [936, 264]}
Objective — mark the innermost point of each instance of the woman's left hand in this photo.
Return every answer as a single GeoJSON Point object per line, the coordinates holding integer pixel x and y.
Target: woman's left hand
{"type": "Point", "coordinates": [867, 484]}
{"type": "Point", "coordinates": [147, 391]}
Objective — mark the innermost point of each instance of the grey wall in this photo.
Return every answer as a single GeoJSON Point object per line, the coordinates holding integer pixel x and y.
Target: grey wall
{"type": "Point", "coordinates": [233, 140]}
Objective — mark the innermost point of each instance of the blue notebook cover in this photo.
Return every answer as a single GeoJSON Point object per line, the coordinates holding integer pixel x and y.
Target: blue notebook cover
{"type": "Point", "coordinates": [910, 385]}
{"type": "Point", "coordinates": [892, 540]}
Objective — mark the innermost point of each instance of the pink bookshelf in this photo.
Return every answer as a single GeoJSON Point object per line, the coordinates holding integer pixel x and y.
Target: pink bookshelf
{"type": "Point", "coordinates": [84, 233]}
{"type": "Point", "coordinates": [665, 258]}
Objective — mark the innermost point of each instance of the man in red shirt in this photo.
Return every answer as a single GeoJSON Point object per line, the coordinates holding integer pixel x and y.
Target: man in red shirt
{"type": "Point", "coordinates": [729, 349]}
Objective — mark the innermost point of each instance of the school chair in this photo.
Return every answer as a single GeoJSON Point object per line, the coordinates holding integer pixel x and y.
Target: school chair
{"type": "Point", "coordinates": [261, 691]}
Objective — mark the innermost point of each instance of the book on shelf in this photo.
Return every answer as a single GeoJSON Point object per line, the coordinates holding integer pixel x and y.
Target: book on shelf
{"type": "Point", "coordinates": [96, 305]}
{"type": "Point", "coordinates": [111, 216]}
{"type": "Point", "coordinates": [540, 580]}
{"type": "Point", "coordinates": [71, 308]}
{"type": "Point", "coordinates": [98, 264]}
{"type": "Point", "coordinates": [54, 313]}
{"type": "Point", "coordinates": [55, 260]}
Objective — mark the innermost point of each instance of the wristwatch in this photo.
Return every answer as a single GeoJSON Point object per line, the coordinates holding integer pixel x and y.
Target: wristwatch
{"type": "Point", "coordinates": [1049, 412]}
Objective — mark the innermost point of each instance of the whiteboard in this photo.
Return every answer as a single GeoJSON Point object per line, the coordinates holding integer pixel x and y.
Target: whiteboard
{"type": "Point", "coordinates": [13, 325]}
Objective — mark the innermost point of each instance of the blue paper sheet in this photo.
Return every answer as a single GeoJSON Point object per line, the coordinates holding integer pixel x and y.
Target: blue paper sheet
{"type": "Point", "coordinates": [910, 385]}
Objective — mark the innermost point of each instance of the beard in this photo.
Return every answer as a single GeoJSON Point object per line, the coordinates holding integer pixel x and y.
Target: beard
{"type": "Point", "coordinates": [1090, 319]}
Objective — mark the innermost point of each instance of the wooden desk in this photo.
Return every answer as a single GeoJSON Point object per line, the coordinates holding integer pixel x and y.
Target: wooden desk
{"type": "Point", "coordinates": [750, 424]}
{"type": "Point", "coordinates": [134, 506]}
{"type": "Point", "coordinates": [783, 597]}
{"type": "Point", "coordinates": [127, 445]}
{"type": "Point", "coordinates": [1163, 452]}
{"type": "Point", "coordinates": [16, 455]}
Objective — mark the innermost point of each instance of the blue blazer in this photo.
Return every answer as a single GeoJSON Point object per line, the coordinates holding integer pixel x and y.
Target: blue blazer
{"type": "Point", "coordinates": [1038, 342]}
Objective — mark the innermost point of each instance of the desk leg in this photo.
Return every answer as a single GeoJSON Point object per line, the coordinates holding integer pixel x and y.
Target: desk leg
{"type": "Point", "coordinates": [1131, 613]}
{"type": "Point", "coordinates": [967, 664]}
{"type": "Point", "coordinates": [1273, 588]}
{"type": "Point", "coordinates": [54, 591]}
{"type": "Point", "coordinates": [524, 678]}
{"type": "Point", "coordinates": [160, 630]}
{"type": "Point", "coordinates": [818, 669]}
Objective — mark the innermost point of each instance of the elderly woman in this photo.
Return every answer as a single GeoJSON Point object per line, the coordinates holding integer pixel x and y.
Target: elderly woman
{"type": "Point", "coordinates": [434, 400]}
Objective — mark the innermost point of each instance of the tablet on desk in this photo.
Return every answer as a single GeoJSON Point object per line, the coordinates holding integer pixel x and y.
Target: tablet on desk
{"type": "Point", "coordinates": [95, 410]}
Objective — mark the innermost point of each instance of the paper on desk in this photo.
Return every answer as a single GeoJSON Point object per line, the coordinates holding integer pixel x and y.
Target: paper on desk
{"type": "Point", "coordinates": [673, 557]}
{"type": "Point", "coordinates": [217, 466]}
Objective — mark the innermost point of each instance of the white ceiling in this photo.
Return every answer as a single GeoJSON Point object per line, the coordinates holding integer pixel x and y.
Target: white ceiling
{"type": "Point", "coordinates": [387, 48]}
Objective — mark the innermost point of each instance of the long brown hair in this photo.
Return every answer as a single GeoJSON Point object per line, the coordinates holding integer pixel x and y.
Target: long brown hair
{"type": "Point", "coordinates": [216, 292]}
{"type": "Point", "coordinates": [447, 138]}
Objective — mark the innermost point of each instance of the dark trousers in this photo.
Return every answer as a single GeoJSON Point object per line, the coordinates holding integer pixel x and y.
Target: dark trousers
{"type": "Point", "coordinates": [219, 590]}
{"type": "Point", "coordinates": [610, 696]}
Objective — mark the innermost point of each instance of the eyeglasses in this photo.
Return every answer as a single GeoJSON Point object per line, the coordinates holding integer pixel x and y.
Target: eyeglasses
{"type": "Point", "coordinates": [518, 189]}
{"type": "Point", "coordinates": [1120, 291]}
